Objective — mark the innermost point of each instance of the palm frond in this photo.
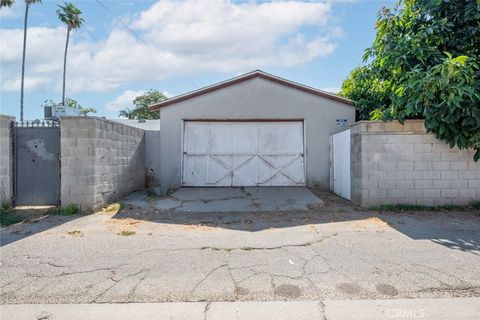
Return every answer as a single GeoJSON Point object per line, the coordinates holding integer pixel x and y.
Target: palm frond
{"type": "Point", "coordinates": [6, 3]}
{"type": "Point", "coordinates": [70, 15]}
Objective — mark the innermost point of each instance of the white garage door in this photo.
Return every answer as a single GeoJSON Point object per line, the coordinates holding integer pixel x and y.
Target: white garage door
{"type": "Point", "coordinates": [243, 154]}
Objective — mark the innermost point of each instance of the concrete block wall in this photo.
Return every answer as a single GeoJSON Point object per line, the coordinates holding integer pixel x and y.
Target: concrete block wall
{"type": "Point", "coordinates": [152, 147]}
{"type": "Point", "coordinates": [5, 158]}
{"type": "Point", "coordinates": [101, 161]}
{"type": "Point", "coordinates": [394, 163]}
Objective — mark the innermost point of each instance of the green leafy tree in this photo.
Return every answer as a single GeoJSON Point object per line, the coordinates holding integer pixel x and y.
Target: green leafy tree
{"type": "Point", "coordinates": [6, 3]}
{"type": "Point", "coordinates": [70, 103]}
{"type": "Point", "coordinates": [141, 103]}
{"type": "Point", "coordinates": [424, 63]}
{"type": "Point", "coordinates": [70, 16]}
{"type": "Point", "coordinates": [9, 3]}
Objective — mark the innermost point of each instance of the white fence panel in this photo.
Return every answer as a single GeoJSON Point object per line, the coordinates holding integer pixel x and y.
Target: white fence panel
{"type": "Point", "coordinates": [340, 155]}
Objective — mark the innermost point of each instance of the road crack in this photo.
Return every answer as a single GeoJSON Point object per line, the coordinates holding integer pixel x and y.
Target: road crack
{"type": "Point", "coordinates": [207, 276]}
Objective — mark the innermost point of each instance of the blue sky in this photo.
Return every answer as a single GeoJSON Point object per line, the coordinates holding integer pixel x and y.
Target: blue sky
{"type": "Point", "coordinates": [185, 45]}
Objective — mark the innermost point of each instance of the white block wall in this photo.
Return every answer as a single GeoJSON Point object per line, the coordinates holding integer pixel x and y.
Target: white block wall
{"type": "Point", "coordinates": [393, 163]}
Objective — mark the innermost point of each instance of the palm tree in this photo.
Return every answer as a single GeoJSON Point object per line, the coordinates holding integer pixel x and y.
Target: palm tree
{"type": "Point", "coordinates": [9, 3]}
{"type": "Point", "coordinates": [126, 113]}
{"type": "Point", "coordinates": [6, 3]}
{"type": "Point", "coordinates": [70, 15]}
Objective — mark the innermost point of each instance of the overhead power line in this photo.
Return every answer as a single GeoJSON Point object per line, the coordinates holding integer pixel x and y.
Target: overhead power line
{"type": "Point", "coordinates": [136, 35]}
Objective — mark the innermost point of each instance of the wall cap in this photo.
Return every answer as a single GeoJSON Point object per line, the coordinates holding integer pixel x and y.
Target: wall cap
{"type": "Point", "coordinates": [99, 119]}
{"type": "Point", "coordinates": [6, 117]}
{"type": "Point", "coordinates": [409, 126]}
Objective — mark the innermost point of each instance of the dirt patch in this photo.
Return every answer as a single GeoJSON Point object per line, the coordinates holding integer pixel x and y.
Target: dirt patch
{"type": "Point", "coordinates": [350, 288]}
{"type": "Point", "coordinates": [386, 289]}
{"type": "Point", "coordinates": [124, 222]}
{"type": "Point", "coordinates": [75, 233]}
{"type": "Point", "coordinates": [126, 233]}
{"type": "Point", "coordinates": [369, 223]}
{"type": "Point", "coordinates": [242, 291]}
{"type": "Point", "coordinates": [288, 291]}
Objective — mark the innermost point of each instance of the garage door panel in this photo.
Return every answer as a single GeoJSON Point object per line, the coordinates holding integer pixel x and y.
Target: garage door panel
{"type": "Point", "coordinates": [193, 130]}
{"type": "Point", "coordinates": [194, 172]}
{"type": "Point", "coordinates": [295, 172]}
{"type": "Point", "coordinates": [263, 172]}
{"type": "Point", "coordinates": [219, 171]}
{"type": "Point", "coordinates": [245, 171]}
{"type": "Point", "coordinates": [244, 154]}
{"type": "Point", "coordinates": [280, 137]}
{"type": "Point", "coordinates": [220, 139]}
{"type": "Point", "coordinates": [282, 170]}
{"type": "Point", "coordinates": [244, 138]}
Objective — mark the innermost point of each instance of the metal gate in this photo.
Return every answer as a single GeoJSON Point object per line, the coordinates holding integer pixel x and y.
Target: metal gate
{"type": "Point", "coordinates": [36, 163]}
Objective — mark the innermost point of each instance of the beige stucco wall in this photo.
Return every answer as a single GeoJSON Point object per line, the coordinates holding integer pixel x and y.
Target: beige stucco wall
{"type": "Point", "coordinates": [256, 98]}
{"type": "Point", "coordinates": [5, 159]}
{"type": "Point", "coordinates": [101, 161]}
{"type": "Point", "coordinates": [393, 163]}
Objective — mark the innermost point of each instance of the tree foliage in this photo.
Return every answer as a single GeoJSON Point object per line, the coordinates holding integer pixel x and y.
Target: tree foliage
{"type": "Point", "coordinates": [70, 103]}
{"type": "Point", "coordinates": [424, 63]}
{"type": "Point", "coordinates": [70, 16]}
{"type": "Point", "coordinates": [6, 3]}
{"type": "Point", "coordinates": [140, 106]}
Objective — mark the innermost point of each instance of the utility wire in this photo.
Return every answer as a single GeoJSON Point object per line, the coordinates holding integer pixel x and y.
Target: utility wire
{"type": "Point", "coordinates": [136, 35]}
{"type": "Point", "coordinates": [115, 62]}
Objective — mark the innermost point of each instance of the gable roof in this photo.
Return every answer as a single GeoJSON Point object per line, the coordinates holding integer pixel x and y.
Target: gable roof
{"type": "Point", "coordinates": [244, 77]}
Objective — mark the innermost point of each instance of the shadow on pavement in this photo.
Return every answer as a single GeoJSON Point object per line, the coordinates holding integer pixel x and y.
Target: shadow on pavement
{"type": "Point", "coordinates": [454, 229]}
{"type": "Point", "coordinates": [35, 223]}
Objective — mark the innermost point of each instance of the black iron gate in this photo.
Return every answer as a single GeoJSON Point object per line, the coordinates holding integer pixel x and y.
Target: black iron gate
{"type": "Point", "coordinates": [36, 163]}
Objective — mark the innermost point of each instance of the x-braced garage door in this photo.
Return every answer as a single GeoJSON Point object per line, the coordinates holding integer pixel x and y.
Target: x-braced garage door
{"type": "Point", "coordinates": [230, 153]}
{"type": "Point", "coordinates": [37, 163]}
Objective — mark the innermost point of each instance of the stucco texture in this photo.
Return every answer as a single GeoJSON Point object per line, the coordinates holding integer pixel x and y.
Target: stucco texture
{"type": "Point", "coordinates": [258, 99]}
{"type": "Point", "coordinates": [5, 159]}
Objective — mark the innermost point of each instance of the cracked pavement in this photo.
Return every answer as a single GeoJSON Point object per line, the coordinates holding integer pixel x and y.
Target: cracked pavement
{"type": "Point", "coordinates": [239, 199]}
{"type": "Point", "coordinates": [333, 252]}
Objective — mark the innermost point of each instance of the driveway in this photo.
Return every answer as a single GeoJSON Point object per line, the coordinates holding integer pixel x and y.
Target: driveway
{"type": "Point", "coordinates": [248, 199]}
{"type": "Point", "coordinates": [333, 251]}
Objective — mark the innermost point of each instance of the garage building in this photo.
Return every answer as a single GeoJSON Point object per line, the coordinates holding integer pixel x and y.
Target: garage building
{"type": "Point", "coordinates": [253, 130]}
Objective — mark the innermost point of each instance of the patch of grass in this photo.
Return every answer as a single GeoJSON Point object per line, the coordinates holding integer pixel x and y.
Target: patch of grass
{"type": "Point", "coordinates": [413, 207]}
{"type": "Point", "coordinates": [114, 207]}
{"type": "Point", "coordinates": [476, 205]}
{"type": "Point", "coordinates": [151, 194]}
{"type": "Point", "coordinates": [68, 210]}
{"type": "Point", "coordinates": [75, 233]}
{"type": "Point", "coordinates": [6, 206]}
{"type": "Point", "coordinates": [9, 217]}
{"type": "Point", "coordinates": [402, 207]}
{"type": "Point", "coordinates": [126, 233]}
{"type": "Point", "coordinates": [248, 248]}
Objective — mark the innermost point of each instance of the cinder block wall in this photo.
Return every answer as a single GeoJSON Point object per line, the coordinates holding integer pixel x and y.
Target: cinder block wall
{"type": "Point", "coordinates": [393, 163]}
{"type": "Point", "coordinates": [101, 161]}
{"type": "Point", "coordinates": [152, 148]}
{"type": "Point", "coordinates": [5, 159]}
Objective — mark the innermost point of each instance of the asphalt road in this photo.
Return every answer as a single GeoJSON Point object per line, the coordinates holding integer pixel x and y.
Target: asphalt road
{"type": "Point", "coordinates": [330, 253]}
